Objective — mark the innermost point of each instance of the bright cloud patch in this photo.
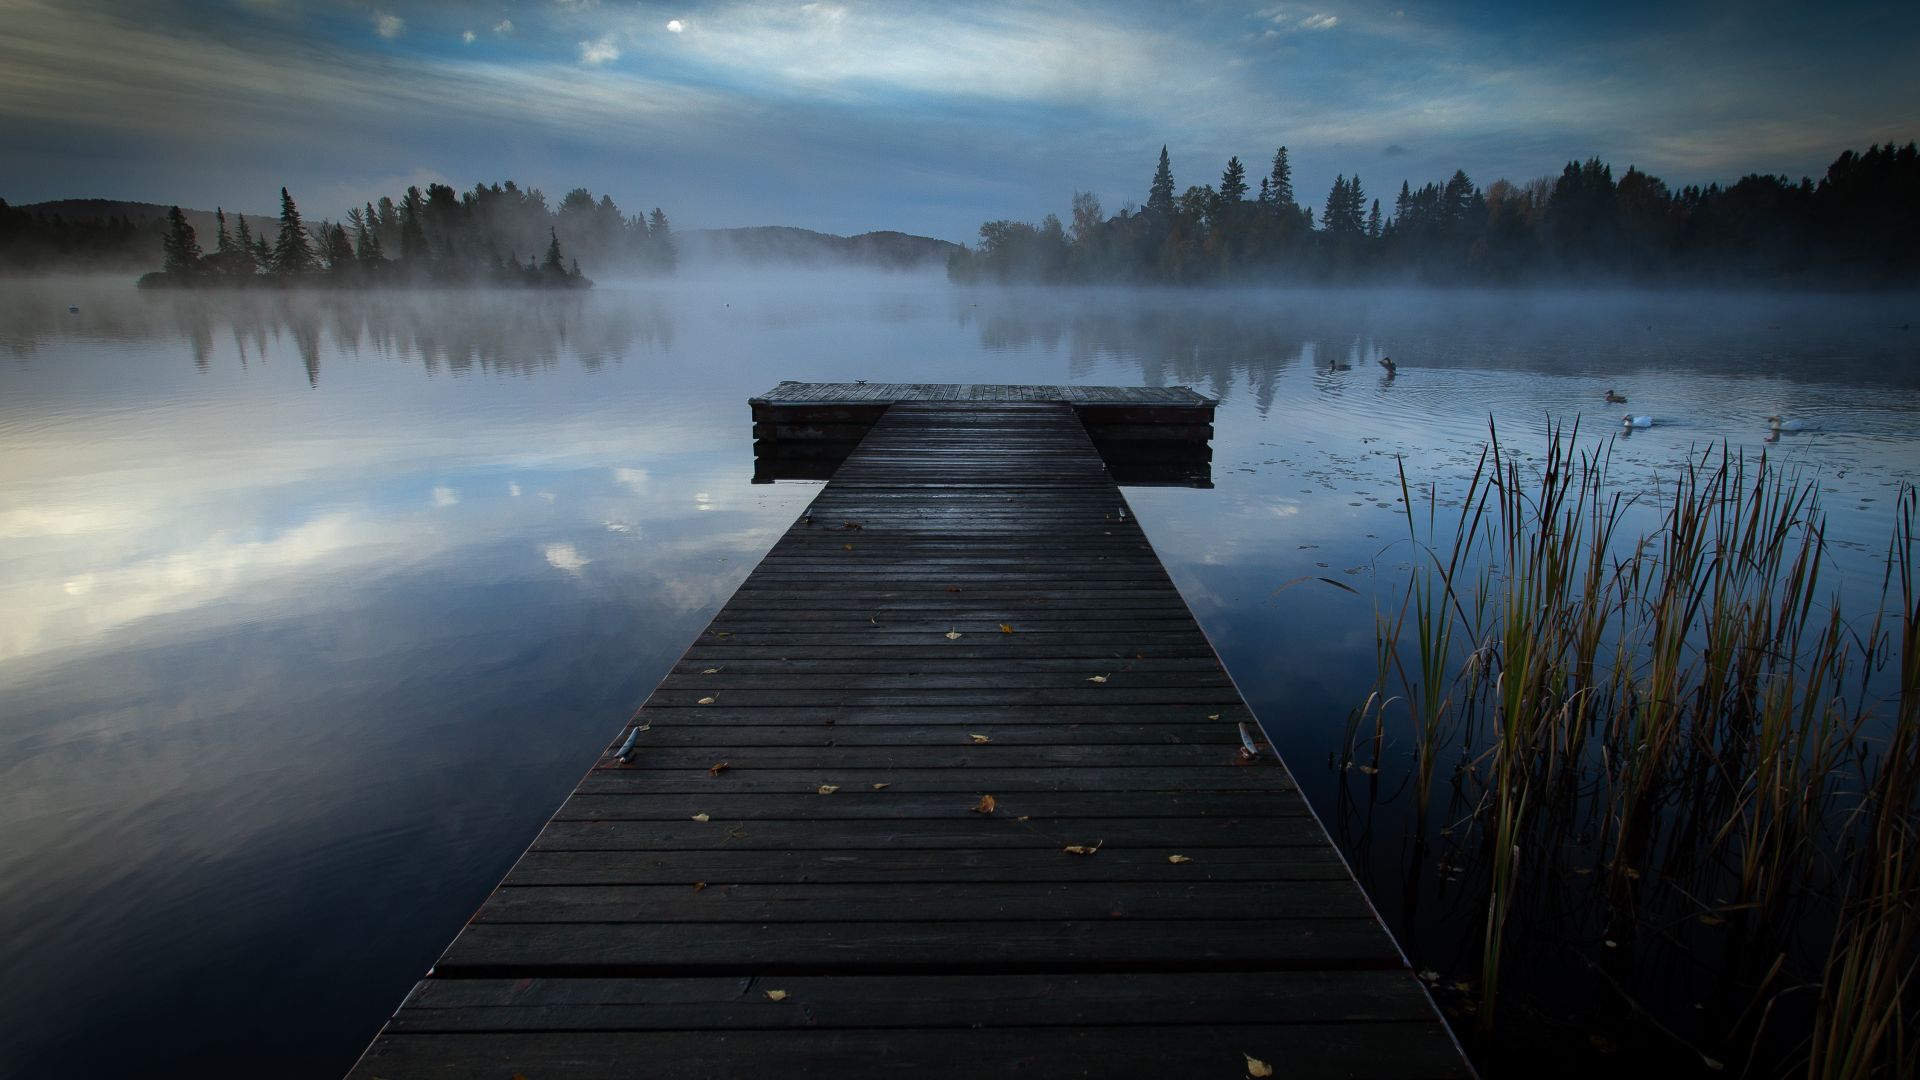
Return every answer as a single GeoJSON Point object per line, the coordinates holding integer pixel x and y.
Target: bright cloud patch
{"type": "Point", "coordinates": [466, 37]}
{"type": "Point", "coordinates": [445, 496]}
{"type": "Point", "coordinates": [600, 50]}
{"type": "Point", "coordinates": [674, 26]}
{"type": "Point", "coordinates": [388, 26]}
{"type": "Point", "coordinates": [565, 557]}
{"type": "Point", "coordinates": [504, 26]}
{"type": "Point", "coordinates": [1320, 22]}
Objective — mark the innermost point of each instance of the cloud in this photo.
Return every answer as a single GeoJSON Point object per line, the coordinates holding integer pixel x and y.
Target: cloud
{"type": "Point", "coordinates": [388, 26]}
{"type": "Point", "coordinates": [466, 37]}
{"type": "Point", "coordinates": [445, 496]}
{"type": "Point", "coordinates": [635, 480]}
{"type": "Point", "coordinates": [1393, 150]}
{"type": "Point", "coordinates": [503, 27]}
{"type": "Point", "coordinates": [564, 556]}
{"type": "Point", "coordinates": [674, 26]}
{"type": "Point", "coordinates": [513, 489]}
{"type": "Point", "coordinates": [600, 50]}
{"type": "Point", "coordinates": [1320, 22]}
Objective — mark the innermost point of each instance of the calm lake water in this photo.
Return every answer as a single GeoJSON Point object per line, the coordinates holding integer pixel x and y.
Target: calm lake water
{"type": "Point", "coordinates": [315, 607]}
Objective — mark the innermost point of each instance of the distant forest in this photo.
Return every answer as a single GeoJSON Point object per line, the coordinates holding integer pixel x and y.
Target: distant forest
{"type": "Point", "coordinates": [1859, 225]}
{"type": "Point", "coordinates": [496, 233]}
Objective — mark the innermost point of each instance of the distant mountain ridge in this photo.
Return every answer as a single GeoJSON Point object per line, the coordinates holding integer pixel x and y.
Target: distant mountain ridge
{"type": "Point", "coordinates": [786, 245]}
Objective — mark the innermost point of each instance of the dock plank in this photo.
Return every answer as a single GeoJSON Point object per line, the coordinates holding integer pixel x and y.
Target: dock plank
{"type": "Point", "coordinates": [968, 609]}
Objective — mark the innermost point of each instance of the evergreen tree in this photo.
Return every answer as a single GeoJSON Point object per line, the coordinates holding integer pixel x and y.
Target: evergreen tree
{"type": "Point", "coordinates": [292, 252]}
{"type": "Point", "coordinates": [553, 264]}
{"type": "Point", "coordinates": [182, 249]}
{"type": "Point", "coordinates": [223, 245]}
{"type": "Point", "coordinates": [262, 255]}
{"type": "Point", "coordinates": [366, 240]}
{"type": "Point", "coordinates": [1373, 221]}
{"type": "Point", "coordinates": [243, 260]}
{"type": "Point", "coordinates": [665, 253]}
{"type": "Point", "coordinates": [1233, 182]}
{"type": "Point", "coordinates": [1160, 195]}
{"type": "Point", "coordinates": [1280, 180]}
{"type": "Point", "coordinates": [338, 249]}
{"type": "Point", "coordinates": [413, 233]}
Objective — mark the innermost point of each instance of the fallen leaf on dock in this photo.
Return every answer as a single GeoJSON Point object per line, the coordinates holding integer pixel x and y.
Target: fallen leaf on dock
{"type": "Point", "coordinates": [698, 885]}
{"type": "Point", "coordinates": [984, 806]}
{"type": "Point", "coordinates": [1082, 849]}
{"type": "Point", "coordinates": [953, 635]}
{"type": "Point", "coordinates": [723, 633]}
{"type": "Point", "coordinates": [1178, 859]}
{"type": "Point", "coordinates": [1256, 1067]}
{"type": "Point", "coordinates": [881, 787]}
{"type": "Point", "coordinates": [1369, 770]}
{"type": "Point", "coordinates": [1005, 629]}
{"type": "Point", "coordinates": [776, 995]}
{"type": "Point", "coordinates": [711, 671]}
{"type": "Point", "coordinates": [852, 525]}
{"type": "Point", "coordinates": [1099, 678]}
{"type": "Point", "coordinates": [979, 738]}
{"type": "Point", "coordinates": [953, 588]}
{"type": "Point", "coordinates": [1213, 716]}
{"type": "Point", "coordinates": [846, 547]}
{"type": "Point", "coordinates": [701, 817]}
{"type": "Point", "coordinates": [705, 701]}
{"type": "Point", "coordinates": [717, 768]}
{"type": "Point", "coordinates": [828, 789]}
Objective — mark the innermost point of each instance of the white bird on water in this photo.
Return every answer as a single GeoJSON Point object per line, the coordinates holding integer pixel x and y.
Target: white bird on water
{"type": "Point", "coordinates": [1632, 421]}
{"type": "Point", "coordinates": [1778, 424]}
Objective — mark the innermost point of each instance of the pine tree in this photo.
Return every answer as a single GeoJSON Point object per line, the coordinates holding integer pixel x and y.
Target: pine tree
{"type": "Point", "coordinates": [181, 247]}
{"type": "Point", "coordinates": [1160, 195]}
{"type": "Point", "coordinates": [241, 261]}
{"type": "Point", "coordinates": [292, 251]}
{"type": "Point", "coordinates": [1233, 182]}
{"type": "Point", "coordinates": [339, 250]}
{"type": "Point", "coordinates": [660, 235]}
{"type": "Point", "coordinates": [223, 245]}
{"type": "Point", "coordinates": [1280, 180]}
{"type": "Point", "coordinates": [366, 240]}
{"type": "Point", "coordinates": [553, 264]}
{"type": "Point", "coordinates": [1334, 213]}
{"type": "Point", "coordinates": [1373, 221]}
{"type": "Point", "coordinates": [413, 233]}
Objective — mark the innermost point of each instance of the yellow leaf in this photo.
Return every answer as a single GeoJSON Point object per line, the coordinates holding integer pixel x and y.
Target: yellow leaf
{"type": "Point", "coordinates": [717, 768]}
{"type": "Point", "coordinates": [1023, 817]}
{"type": "Point", "coordinates": [846, 547]}
{"type": "Point", "coordinates": [1098, 679]}
{"type": "Point", "coordinates": [881, 787]}
{"type": "Point", "coordinates": [979, 738]}
{"type": "Point", "coordinates": [953, 635]}
{"type": "Point", "coordinates": [1178, 859]}
{"type": "Point", "coordinates": [1711, 919]}
{"type": "Point", "coordinates": [776, 995]}
{"type": "Point", "coordinates": [723, 633]}
{"type": "Point", "coordinates": [1368, 769]}
{"type": "Point", "coordinates": [1255, 1067]}
{"type": "Point", "coordinates": [1005, 629]}
{"type": "Point", "coordinates": [700, 817]}
{"type": "Point", "coordinates": [1082, 849]}
{"type": "Point", "coordinates": [711, 671]}
{"type": "Point", "coordinates": [1214, 716]}
{"type": "Point", "coordinates": [828, 789]}
{"type": "Point", "coordinates": [698, 885]}
{"type": "Point", "coordinates": [852, 525]}
{"type": "Point", "coordinates": [704, 701]}
{"type": "Point", "coordinates": [985, 805]}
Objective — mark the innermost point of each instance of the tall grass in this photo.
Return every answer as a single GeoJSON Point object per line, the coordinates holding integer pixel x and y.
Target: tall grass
{"type": "Point", "coordinates": [1685, 724]}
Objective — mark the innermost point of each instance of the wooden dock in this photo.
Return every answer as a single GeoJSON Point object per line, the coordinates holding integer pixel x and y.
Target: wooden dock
{"type": "Point", "coordinates": [952, 786]}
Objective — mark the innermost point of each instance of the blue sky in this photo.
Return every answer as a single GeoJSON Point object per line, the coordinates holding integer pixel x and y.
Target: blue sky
{"type": "Point", "coordinates": [925, 117]}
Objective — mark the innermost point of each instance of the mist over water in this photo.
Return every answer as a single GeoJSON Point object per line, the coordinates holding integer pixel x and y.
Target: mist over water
{"type": "Point", "coordinates": [317, 605]}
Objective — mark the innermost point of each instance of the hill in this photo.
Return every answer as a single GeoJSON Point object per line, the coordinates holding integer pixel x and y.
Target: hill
{"type": "Point", "coordinates": [785, 245]}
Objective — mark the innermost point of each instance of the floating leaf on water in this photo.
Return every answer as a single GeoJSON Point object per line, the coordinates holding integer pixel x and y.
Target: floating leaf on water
{"type": "Point", "coordinates": [979, 738]}
{"type": "Point", "coordinates": [1255, 1067]}
{"type": "Point", "coordinates": [776, 995]}
{"type": "Point", "coordinates": [1082, 849]}
{"type": "Point", "coordinates": [701, 817]}
{"type": "Point", "coordinates": [828, 789]}
{"type": "Point", "coordinates": [984, 806]}
{"type": "Point", "coordinates": [1178, 859]}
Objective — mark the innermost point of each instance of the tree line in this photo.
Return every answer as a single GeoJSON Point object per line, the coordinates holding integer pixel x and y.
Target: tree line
{"type": "Point", "coordinates": [1859, 225]}
{"type": "Point", "coordinates": [498, 233]}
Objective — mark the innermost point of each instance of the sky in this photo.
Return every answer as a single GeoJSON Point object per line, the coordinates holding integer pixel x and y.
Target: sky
{"type": "Point", "coordinates": [927, 118]}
